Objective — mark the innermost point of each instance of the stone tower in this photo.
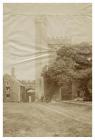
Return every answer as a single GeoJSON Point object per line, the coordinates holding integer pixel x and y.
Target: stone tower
{"type": "Point", "coordinates": [40, 44]}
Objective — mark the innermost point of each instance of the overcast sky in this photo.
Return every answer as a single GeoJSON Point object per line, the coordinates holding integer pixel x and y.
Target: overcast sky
{"type": "Point", "coordinates": [71, 21]}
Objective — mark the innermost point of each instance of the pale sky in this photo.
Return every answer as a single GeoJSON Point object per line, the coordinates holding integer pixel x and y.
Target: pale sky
{"type": "Point", "coordinates": [71, 21]}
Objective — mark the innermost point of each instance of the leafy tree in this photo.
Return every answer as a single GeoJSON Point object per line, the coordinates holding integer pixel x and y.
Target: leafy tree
{"type": "Point", "coordinates": [72, 63]}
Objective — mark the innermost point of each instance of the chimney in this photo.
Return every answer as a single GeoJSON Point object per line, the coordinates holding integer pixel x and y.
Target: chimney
{"type": "Point", "coordinates": [13, 72]}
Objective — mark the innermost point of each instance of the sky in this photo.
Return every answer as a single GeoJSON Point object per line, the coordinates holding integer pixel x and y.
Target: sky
{"type": "Point", "coordinates": [69, 21]}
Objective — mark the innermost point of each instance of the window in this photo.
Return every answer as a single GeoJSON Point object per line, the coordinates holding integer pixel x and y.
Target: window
{"type": "Point", "coordinates": [7, 95]}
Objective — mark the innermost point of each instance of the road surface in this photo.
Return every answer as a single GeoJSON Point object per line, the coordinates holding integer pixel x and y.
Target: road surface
{"type": "Point", "coordinates": [46, 120]}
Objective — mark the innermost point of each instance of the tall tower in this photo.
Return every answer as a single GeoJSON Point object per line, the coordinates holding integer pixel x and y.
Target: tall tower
{"type": "Point", "coordinates": [40, 44]}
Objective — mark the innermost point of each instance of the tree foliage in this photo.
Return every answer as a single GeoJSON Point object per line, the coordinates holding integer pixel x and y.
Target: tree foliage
{"type": "Point", "coordinates": [72, 62]}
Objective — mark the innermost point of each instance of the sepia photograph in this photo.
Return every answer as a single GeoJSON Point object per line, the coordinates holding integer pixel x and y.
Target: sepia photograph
{"type": "Point", "coordinates": [47, 70]}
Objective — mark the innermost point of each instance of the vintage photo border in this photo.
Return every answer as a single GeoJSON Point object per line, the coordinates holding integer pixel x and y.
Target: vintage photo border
{"type": "Point", "coordinates": [1, 65]}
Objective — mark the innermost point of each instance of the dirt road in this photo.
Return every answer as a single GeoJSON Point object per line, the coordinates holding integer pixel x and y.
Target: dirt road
{"type": "Point", "coordinates": [47, 119]}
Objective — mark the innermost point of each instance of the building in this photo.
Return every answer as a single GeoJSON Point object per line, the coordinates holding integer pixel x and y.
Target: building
{"type": "Point", "coordinates": [40, 43]}
{"type": "Point", "coordinates": [69, 90]}
{"type": "Point", "coordinates": [13, 90]}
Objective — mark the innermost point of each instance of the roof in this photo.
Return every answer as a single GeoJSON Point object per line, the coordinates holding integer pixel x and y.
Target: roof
{"type": "Point", "coordinates": [9, 77]}
{"type": "Point", "coordinates": [31, 91]}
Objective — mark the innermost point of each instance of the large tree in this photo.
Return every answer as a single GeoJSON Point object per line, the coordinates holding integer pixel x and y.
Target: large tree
{"type": "Point", "coordinates": [73, 62]}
